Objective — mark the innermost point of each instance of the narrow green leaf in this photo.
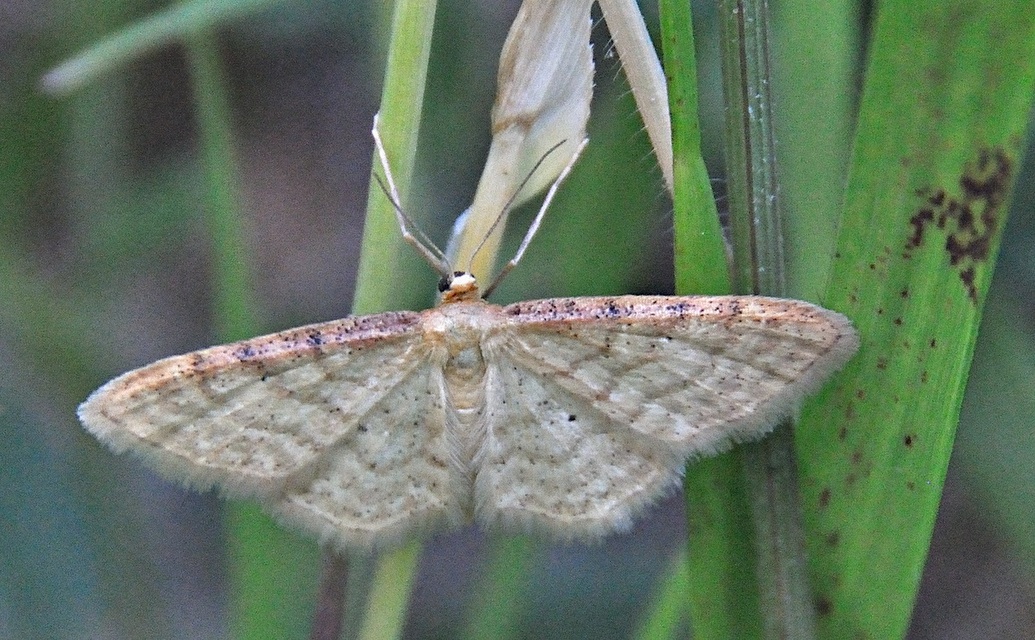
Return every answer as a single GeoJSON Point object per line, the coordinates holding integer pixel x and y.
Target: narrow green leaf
{"type": "Point", "coordinates": [667, 614]}
{"type": "Point", "coordinates": [383, 283]}
{"type": "Point", "coordinates": [944, 112]}
{"type": "Point", "coordinates": [266, 563]}
{"type": "Point", "coordinates": [700, 251]}
{"type": "Point", "coordinates": [390, 593]}
{"type": "Point", "coordinates": [757, 228]}
{"type": "Point", "coordinates": [717, 502]}
{"type": "Point", "coordinates": [817, 47]}
{"type": "Point", "coordinates": [721, 544]}
{"type": "Point", "coordinates": [234, 313]}
{"type": "Point", "coordinates": [273, 576]}
{"type": "Point", "coordinates": [499, 598]}
{"type": "Point", "coordinates": [166, 27]}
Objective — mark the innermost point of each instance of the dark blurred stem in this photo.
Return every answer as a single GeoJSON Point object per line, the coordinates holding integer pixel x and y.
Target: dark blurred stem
{"type": "Point", "coordinates": [769, 466]}
{"type": "Point", "coordinates": [785, 597]}
{"type": "Point", "coordinates": [330, 602]}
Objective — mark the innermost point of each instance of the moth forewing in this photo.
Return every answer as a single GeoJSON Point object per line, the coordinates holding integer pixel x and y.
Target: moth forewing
{"type": "Point", "coordinates": [698, 373]}
{"type": "Point", "coordinates": [247, 416]}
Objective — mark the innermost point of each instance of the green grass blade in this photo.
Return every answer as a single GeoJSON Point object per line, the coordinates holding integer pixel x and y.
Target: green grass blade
{"type": "Point", "coordinates": [668, 611]}
{"type": "Point", "coordinates": [384, 281]}
{"type": "Point", "coordinates": [945, 108]}
{"type": "Point", "coordinates": [500, 596]}
{"type": "Point", "coordinates": [700, 255]}
{"type": "Point", "coordinates": [234, 314]}
{"type": "Point", "coordinates": [746, 532]}
{"type": "Point", "coordinates": [717, 503]}
{"type": "Point", "coordinates": [815, 68]}
{"type": "Point", "coordinates": [757, 230]}
{"type": "Point", "coordinates": [723, 598]}
{"type": "Point", "coordinates": [140, 38]}
{"type": "Point", "coordinates": [390, 593]}
{"type": "Point", "coordinates": [266, 563]}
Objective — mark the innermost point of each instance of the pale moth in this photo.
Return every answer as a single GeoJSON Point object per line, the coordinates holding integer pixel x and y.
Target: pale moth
{"type": "Point", "coordinates": [566, 416]}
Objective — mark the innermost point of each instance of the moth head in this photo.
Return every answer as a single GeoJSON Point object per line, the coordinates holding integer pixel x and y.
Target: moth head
{"type": "Point", "coordinates": [458, 286]}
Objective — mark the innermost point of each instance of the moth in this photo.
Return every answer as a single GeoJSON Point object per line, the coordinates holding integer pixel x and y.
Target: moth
{"type": "Point", "coordinates": [568, 416]}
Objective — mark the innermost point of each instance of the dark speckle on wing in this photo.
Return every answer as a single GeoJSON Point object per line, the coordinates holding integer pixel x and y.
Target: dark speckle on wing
{"type": "Point", "coordinates": [352, 333]}
{"type": "Point", "coordinates": [655, 310]}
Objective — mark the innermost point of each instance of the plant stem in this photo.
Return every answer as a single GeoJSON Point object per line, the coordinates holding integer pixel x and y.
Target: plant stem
{"type": "Point", "coordinates": [390, 593]}
{"type": "Point", "coordinates": [750, 148]}
{"type": "Point", "coordinates": [330, 602]}
{"type": "Point", "coordinates": [723, 597]}
{"type": "Point", "coordinates": [700, 256]}
{"type": "Point", "coordinates": [758, 267]}
{"type": "Point", "coordinates": [381, 284]}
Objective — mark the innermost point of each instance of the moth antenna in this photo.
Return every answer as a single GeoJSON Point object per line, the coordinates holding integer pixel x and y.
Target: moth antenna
{"type": "Point", "coordinates": [534, 227]}
{"type": "Point", "coordinates": [513, 197]}
{"type": "Point", "coordinates": [421, 238]}
{"type": "Point", "coordinates": [411, 233]}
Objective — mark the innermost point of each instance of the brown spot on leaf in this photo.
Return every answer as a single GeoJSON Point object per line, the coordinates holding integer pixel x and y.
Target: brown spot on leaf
{"type": "Point", "coordinates": [918, 221]}
{"type": "Point", "coordinates": [824, 498]}
{"type": "Point", "coordinates": [967, 276]}
{"type": "Point", "coordinates": [833, 538]}
{"type": "Point", "coordinates": [969, 219]}
{"type": "Point", "coordinates": [908, 440]}
{"type": "Point", "coordinates": [842, 433]}
{"type": "Point", "coordinates": [824, 606]}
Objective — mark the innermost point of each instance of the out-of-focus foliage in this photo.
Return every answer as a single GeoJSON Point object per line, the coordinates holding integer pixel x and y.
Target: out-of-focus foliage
{"type": "Point", "coordinates": [106, 263]}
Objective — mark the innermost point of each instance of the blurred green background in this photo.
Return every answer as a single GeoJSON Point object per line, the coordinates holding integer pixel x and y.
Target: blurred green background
{"type": "Point", "coordinates": [105, 265]}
